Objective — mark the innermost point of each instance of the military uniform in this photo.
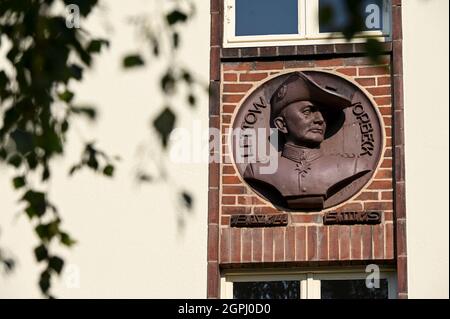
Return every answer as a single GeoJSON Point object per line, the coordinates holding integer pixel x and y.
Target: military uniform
{"type": "Point", "coordinates": [306, 177]}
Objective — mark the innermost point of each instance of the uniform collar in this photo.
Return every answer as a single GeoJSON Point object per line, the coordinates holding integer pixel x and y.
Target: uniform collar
{"type": "Point", "coordinates": [300, 154]}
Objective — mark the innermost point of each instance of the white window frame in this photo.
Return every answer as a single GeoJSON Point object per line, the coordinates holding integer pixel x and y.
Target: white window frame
{"type": "Point", "coordinates": [310, 280]}
{"type": "Point", "coordinates": [307, 24]}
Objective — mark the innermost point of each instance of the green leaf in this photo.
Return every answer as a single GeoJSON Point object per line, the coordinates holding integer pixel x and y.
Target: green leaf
{"type": "Point", "coordinates": [108, 170]}
{"type": "Point", "coordinates": [66, 240]}
{"type": "Point", "coordinates": [44, 281]}
{"type": "Point", "coordinates": [176, 16]}
{"type": "Point", "coordinates": [66, 96]}
{"type": "Point", "coordinates": [187, 199]}
{"type": "Point", "coordinates": [41, 253]}
{"type": "Point", "coordinates": [175, 39]}
{"type": "Point", "coordinates": [19, 182]}
{"type": "Point", "coordinates": [132, 61]}
{"type": "Point", "coordinates": [88, 111]}
{"type": "Point", "coordinates": [56, 264]}
{"type": "Point", "coordinates": [37, 203]}
{"type": "Point", "coordinates": [15, 160]}
{"type": "Point", "coordinates": [168, 82]}
{"type": "Point", "coordinates": [192, 100]}
{"type": "Point", "coordinates": [95, 46]}
{"type": "Point", "coordinates": [164, 125]}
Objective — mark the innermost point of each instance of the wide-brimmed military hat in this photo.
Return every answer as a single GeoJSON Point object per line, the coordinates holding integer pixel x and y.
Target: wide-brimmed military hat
{"type": "Point", "coordinates": [300, 87]}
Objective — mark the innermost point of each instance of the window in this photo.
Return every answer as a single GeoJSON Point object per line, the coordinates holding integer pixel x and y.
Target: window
{"type": "Point", "coordinates": [309, 285]}
{"type": "Point", "coordinates": [296, 22]}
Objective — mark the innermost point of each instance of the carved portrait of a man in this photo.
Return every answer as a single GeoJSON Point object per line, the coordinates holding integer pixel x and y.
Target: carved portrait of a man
{"type": "Point", "coordinates": [306, 114]}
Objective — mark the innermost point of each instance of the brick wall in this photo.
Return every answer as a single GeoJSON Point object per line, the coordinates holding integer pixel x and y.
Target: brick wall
{"type": "Point", "coordinates": [305, 239]}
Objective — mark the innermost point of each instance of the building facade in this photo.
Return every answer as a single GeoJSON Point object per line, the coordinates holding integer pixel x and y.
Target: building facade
{"type": "Point", "coordinates": [259, 246]}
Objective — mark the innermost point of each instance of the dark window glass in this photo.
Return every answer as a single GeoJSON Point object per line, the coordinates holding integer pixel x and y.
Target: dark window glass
{"type": "Point", "coordinates": [263, 17]}
{"type": "Point", "coordinates": [335, 15]}
{"type": "Point", "coordinates": [266, 290]}
{"type": "Point", "coordinates": [352, 289]}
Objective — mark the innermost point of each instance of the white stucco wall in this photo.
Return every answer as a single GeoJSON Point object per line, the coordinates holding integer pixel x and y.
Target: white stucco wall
{"type": "Point", "coordinates": [426, 55]}
{"type": "Point", "coordinates": [129, 241]}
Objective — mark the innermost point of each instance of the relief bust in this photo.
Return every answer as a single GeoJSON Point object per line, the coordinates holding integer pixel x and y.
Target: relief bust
{"type": "Point", "coordinates": [307, 115]}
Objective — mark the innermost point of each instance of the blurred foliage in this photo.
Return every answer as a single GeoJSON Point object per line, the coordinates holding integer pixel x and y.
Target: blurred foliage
{"type": "Point", "coordinates": [45, 57]}
{"type": "Point", "coordinates": [36, 102]}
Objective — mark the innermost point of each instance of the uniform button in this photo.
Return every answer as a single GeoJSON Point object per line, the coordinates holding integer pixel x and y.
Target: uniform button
{"type": "Point", "coordinates": [304, 189]}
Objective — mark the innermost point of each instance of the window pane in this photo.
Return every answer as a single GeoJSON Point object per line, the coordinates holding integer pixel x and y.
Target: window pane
{"type": "Point", "coordinates": [335, 15]}
{"type": "Point", "coordinates": [262, 17]}
{"type": "Point", "coordinates": [266, 290]}
{"type": "Point", "coordinates": [352, 289]}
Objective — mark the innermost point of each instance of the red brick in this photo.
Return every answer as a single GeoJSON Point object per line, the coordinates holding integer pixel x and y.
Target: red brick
{"type": "Point", "coordinates": [213, 206]}
{"type": "Point", "coordinates": [322, 238]}
{"type": "Point", "coordinates": [235, 245]}
{"type": "Point", "coordinates": [387, 162]}
{"type": "Point", "coordinates": [239, 66]}
{"type": "Point", "coordinates": [384, 80]}
{"type": "Point", "coordinates": [300, 243]}
{"type": "Point", "coordinates": [226, 119]}
{"type": "Point", "coordinates": [387, 195]}
{"type": "Point", "coordinates": [378, 205]}
{"type": "Point", "coordinates": [225, 245]}
{"type": "Point", "coordinates": [401, 237]}
{"type": "Point", "coordinates": [388, 215]}
{"type": "Point", "coordinates": [231, 180]}
{"type": "Point", "coordinates": [385, 100]}
{"type": "Point", "coordinates": [333, 243]}
{"type": "Point", "coordinates": [213, 280]}
{"type": "Point", "coordinates": [249, 200]}
{"type": "Point", "coordinates": [213, 242]}
{"type": "Point", "coordinates": [344, 242]}
{"type": "Point", "coordinates": [236, 190]}
{"type": "Point", "coordinates": [388, 131]}
{"type": "Point", "coordinates": [230, 77]}
{"type": "Point", "coordinates": [236, 88]}
{"type": "Point", "coordinates": [265, 210]}
{"type": "Point", "coordinates": [278, 240]}
{"type": "Point", "coordinates": [388, 152]}
{"type": "Point", "coordinates": [235, 210]}
{"type": "Point", "coordinates": [305, 218]}
{"type": "Point", "coordinates": [366, 236]}
{"type": "Point", "coordinates": [229, 108]}
{"type": "Point", "coordinates": [378, 241]}
{"type": "Point", "coordinates": [269, 65]}
{"type": "Point", "coordinates": [347, 71]}
{"type": "Point", "coordinates": [373, 70]}
{"type": "Point", "coordinates": [328, 63]}
{"type": "Point", "coordinates": [312, 242]}
{"type": "Point", "coordinates": [402, 275]}
{"type": "Point", "coordinates": [387, 120]}
{"type": "Point", "coordinates": [368, 196]}
{"type": "Point", "coordinates": [225, 220]}
{"type": "Point", "coordinates": [385, 110]}
{"type": "Point", "coordinates": [383, 174]}
{"type": "Point", "coordinates": [257, 240]}
{"type": "Point", "coordinates": [268, 245]}
{"type": "Point", "coordinates": [252, 77]}
{"type": "Point", "coordinates": [228, 200]}
{"type": "Point", "coordinates": [350, 207]}
{"type": "Point", "coordinates": [232, 98]}
{"type": "Point", "coordinates": [228, 169]}
{"type": "Point", "coordinates": [246, 245]}
{"type": "Point", "coordinates": [366, 81]}
{"type": "Point", "coordinates": [389, 241]}
{"type": "Point", "coordinates": [380, 185]}
{"type": "Point", "coordinates": [376, 91]}
{"type": "Point", "coordinates": [299, 64]}
{"type": "Point", "coordinates": [356, 250]}
{"type": "Point", "coordinates": [289, 244]}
